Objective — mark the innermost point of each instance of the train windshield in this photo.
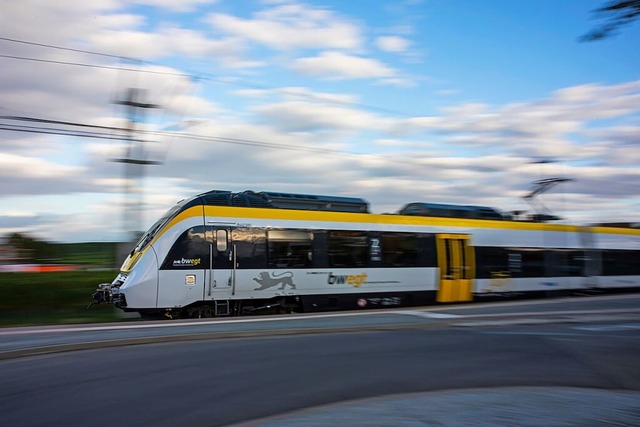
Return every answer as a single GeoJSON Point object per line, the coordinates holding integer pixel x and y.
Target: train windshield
{"type": "Point", "coordinates": [155, 228]}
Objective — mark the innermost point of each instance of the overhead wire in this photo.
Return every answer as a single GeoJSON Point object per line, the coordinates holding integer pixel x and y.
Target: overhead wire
{"type": "Point", "coordinates": [109, 136]}
{"type": "Point", "coordinates": [197, 75]}
{"type": "Point", "coordinates": [69, 49]}
{"type": "Point", "coordinates": [59, 122]}
{"type": "Point", "coordinates": [195, 137]}
{"type": "Point", "coordinates": [105, 67]}
{"type": "Point", "coordinates": [54, 131]}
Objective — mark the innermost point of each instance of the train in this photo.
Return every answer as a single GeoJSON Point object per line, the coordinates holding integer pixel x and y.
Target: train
{"type": "Point", "coordinates": [224, 253]}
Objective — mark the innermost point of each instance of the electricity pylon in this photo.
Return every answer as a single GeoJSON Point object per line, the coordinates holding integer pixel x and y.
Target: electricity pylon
{"type": "Point", "coordinates": [134, 162]}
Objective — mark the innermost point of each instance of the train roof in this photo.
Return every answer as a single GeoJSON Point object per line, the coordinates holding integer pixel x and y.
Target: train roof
{"type": "Point", "coordinates": [312, 202]}
{"type": "Point", "coordinates": [451, 211]}
{"type": "Point", "coordinates": [618, 224]}
{"type": "Point", "coordinates": [267, 199]}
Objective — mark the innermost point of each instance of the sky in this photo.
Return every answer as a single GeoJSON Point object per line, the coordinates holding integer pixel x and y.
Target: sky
{"type": "Point", "coordinates": [393, 101]}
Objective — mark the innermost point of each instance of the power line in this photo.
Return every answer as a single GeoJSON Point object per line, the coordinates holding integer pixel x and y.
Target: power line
{"type": "Point", "coordinates": [59, 122]}
{"type": "Point", "coordinates": [253, 143]}
{"type": "Point", "coordinates": [98, 135]}
{"type": "Point", "coordinates": [50, 46]}
{"type": "Point", "coordinates": [224, 140]}
{"type": "Point", "coordinates": [106, 67]}
{"type": "Point", "coordinates": [53, 131]}
{"type": "Point", "coordinates": [220, 139]}
{"type": "Point", "coordinates": [233, 141]}
{"type": "Point", "coordinates": [200, 76]}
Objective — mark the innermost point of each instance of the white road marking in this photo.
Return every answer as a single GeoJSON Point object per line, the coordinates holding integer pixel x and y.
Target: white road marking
{"type": "Point", "coordinates": [559, 313]}
{"type": "Point", "coordinates": [428, 314]}
{"type": "Point", "coordinates": [534, 333]}
{"type": "Point", "coordinates": [609, 328]}
{"type": "Point", "coordinates": [169, 324]}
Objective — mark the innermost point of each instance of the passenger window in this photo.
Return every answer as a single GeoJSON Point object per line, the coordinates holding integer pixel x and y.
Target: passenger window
{"type": "Point", "coordinates": [348, 249]}
{"type": "Point", "coordinates": [400, 249]}
{"type": "Point", "coordinates": [250, 246]}
{"type": "Point", "coordinates": [289, 248]}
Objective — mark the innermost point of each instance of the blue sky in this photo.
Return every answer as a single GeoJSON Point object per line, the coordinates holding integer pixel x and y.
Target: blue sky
{"type": "Point", "coordinates": [393, 101]}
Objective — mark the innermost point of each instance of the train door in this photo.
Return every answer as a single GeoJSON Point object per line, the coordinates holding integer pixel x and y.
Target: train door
{"type": "Point", "coordinates": [220, 283]}
{"type": "Point", "coordinates": [457, 267]}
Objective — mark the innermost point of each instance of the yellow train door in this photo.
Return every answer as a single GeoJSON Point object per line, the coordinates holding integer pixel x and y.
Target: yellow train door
{"type": "Point", "coordinates": [456, 263]}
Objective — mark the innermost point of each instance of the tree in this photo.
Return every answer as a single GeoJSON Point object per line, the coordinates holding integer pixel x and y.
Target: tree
{"type": "Point", "coordinates": [31, 250]}
{"type": "Point", "coordinates": [618, 13]}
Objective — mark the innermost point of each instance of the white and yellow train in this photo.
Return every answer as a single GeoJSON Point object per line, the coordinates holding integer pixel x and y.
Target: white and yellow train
{"type": "Point", "coordinates": [223, 253]}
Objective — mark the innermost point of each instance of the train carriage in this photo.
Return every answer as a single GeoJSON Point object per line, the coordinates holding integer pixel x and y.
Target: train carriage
{"type": "Point", "coordinates": [224, 253]}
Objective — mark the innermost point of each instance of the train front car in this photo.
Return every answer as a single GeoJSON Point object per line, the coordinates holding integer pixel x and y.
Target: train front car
{"type": "Point", "coordinates": [189, 261]}
{"type": "Point", "coordinates": [137, 286]}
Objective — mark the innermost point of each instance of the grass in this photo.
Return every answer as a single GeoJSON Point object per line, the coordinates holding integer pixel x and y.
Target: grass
{"type": "Point", "coordinates": [29, 299]}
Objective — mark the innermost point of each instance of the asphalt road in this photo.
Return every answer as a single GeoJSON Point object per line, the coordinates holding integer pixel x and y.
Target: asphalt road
{"type": "Point", "coordinates": [514, 366]}
{"type": "Point", "coordinates": [18, 342]}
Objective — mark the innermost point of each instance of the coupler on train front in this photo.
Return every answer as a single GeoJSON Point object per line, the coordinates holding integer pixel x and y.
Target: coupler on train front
{"type": "Point", "coordinates": [108, 293]}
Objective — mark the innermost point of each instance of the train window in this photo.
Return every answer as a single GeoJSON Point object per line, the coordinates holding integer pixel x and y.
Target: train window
{"type": "Point", "coordinates": [155, 228]}
{"type": "Point", "coordinates": [449, 259]}
{"type": "Point", "coordinates": [577, 263]}
{"type": "Point", "coordinates": [533, 264]}
{"type": "Point", "coordinates": [427, 253]}
{"type": "Point", "coordinates": [620, 262]}
{"type": "Point", "coordinates": [289, 248]}
{"type": "Point", "coordinates": [251, 247]}
{"type": "Point", "coordinates": [221, 240]}
{"type": "Point", "coordinates": [591, 261]}
{"type": "Point", "coordinates": [190, 250]}
{"type": "Point", "coordinates": [348, 249]}
{"type": "Point", "coordinates": [400, 249]}
{"type": "Point", "coordinates": [465, 272]}
{"type": "Point", "coordinates": [491, 261]}
{"type": "Point", "coordinates": [557, 263]}
{"type": "Point", "coordinates": [320, 254]}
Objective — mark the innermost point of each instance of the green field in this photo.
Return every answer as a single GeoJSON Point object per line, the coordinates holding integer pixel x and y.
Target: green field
{"type": "Point", "coordinates": [54, 298]}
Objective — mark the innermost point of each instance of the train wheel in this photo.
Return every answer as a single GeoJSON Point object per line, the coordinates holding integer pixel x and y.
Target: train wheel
{"type": "Point", "coordinates": [207, 311]}
{"type": "Point", "coordinates": [200, 312]}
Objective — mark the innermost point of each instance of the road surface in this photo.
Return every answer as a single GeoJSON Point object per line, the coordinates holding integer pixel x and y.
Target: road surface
{"type": "Point", "coordinates": [543, 363]}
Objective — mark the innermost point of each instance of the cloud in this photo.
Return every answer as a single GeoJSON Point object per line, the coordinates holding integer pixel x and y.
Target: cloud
{"type": "Point", "coordinates": [544, 127]}
{"type": "Point", "coordinates": [245, 130]}
{"type": "Point", "coordinates": [392, 44]}
{"type": "Point", "coordinates": [298, 93]}
{"type": "Point", "coordinates": [338, 65]}
{"type": "Point", "coordinates": [300, 116]}
{"type": "Point", "coordinates": [179, 6]}
{"type": "Point", "coordinates": [292, 26]}
{"type": "Point", "coordinates": [28, 175]}
{"type": "Point", "coordinates": [168, 41]}
{"type": "Point", "coordinates": [13, 220]}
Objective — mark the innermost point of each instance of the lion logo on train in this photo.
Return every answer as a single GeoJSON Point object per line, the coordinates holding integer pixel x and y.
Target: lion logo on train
{"type": "Point", "coordinates": [266, 280]}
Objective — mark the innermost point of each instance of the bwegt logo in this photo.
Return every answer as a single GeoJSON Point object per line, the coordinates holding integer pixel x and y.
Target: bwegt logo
{"type": "Point", "coordinates": [355, 280]}
{"type": "Point", "coordinates": [187, 261]}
